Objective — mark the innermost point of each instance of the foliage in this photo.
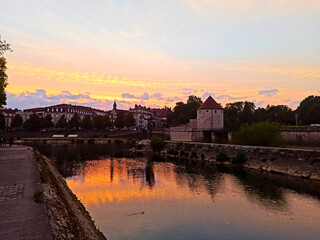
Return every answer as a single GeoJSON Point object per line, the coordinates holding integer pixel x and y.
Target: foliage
{"type": "Point", "coordinates": [309, 110]}
{"type": "Point", "coordinates": [2, 121]}
{"type": "Point", "coordinates": [34, 122]}
{"type": "Point", "coordinates": [119, 122]}
{"type": "Point", "coordinates": [185, 111]}
{"type": "Point", "coordinates": [62, 122]}
{"type": "Point", "coordinates": [222, 155]}
{"type": "Point", "coordinates": [238, 113]}
{"type": "Point", "coordinates": [259, 134]}
{"type": "Point", "coordinates": [86, 122]}
{"type": "Point", "coordinates": [4, 47]}
{"type": "Point", "coordinates": [194, 155]}
{"type": "Point", "coordinates": [157, 143]}
{"type": "Point", "coordinates": [139, 146]}
{"type": "Point", "coordinates": [46, 122]}
{"type": "Point", "coordinates": [129, 120]}
{"type": "Point", "coordinates": [172, 152]}
{"type": "Point", "coordinates": [75, 121]}
{"type": "Point", "coordinates": [240, 158]}
{"type": "Point", "coordinates": [16, 121]}
{"type": "Point", "coordinates": [101, 122]}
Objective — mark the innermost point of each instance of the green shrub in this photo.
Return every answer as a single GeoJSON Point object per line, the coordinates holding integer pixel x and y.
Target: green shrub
{"type": "Point", "coordinates": [182, 153]}
{"type": "Point", "coordinates": [203, 156]}
{"type": "Point", "coordinates": [240, 158]}
{"type": "Point", "coordinates": [259, 134]}
{"type": "Point", "coordinates": [172, 152]}
{"type": "Point", "coordinates": [157, 143]}
{"type": "Point", "coordinates": [222, 155]}
{"type": "Point", "coordinates": [194, 154]}
{"type": "Point", "coordinates": [139, 146]}
{"type": "Point", "coordinates": [186, 154]}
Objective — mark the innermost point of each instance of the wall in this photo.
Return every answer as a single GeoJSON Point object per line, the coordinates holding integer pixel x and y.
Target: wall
{"type": "Point", "coordinates": [300, 163]}
{"type": "Point", "coordinates": [209, 119]}
{"type": "Point", "coordinates": [307, 137]}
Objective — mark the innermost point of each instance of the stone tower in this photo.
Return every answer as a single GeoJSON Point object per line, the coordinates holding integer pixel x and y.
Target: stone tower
{"type": "Point", "coordinates": [210, 115]}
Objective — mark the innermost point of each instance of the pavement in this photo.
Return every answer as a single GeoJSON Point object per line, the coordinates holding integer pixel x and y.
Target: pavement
{"type": "Point", "coordinates": [20, 216]}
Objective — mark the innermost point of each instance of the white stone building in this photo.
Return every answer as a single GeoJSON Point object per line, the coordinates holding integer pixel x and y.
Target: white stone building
{"type": "Point", "coordinates": [206, 128]}
{"type": "Point", "coordinates": [56, 111]}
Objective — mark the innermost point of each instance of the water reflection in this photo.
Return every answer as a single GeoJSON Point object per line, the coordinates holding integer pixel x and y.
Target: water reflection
{"type": "Point", "coordinates": [145, 199]}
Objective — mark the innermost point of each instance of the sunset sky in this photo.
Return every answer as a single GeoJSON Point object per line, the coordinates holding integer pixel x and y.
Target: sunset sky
{"type": "Point", "coordinates": [156, 53]}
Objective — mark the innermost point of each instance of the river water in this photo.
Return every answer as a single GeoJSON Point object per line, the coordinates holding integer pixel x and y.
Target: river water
{"type": "Point", "coordinates": [137, 198]}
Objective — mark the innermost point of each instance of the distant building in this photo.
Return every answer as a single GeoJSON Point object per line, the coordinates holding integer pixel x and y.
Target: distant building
{"type": "Point", "coordinates": [143, 115]}
{"type": "Point", "coordinates": [56, 111]}
{"type": "Point", "coordinates": [9, 114]}
{"type": "Point", "coordinates": [208, 126]}
{"type": "Point", "coordinates": [114, 112]}
{"type": "Point", "coordinates": [163, 114]}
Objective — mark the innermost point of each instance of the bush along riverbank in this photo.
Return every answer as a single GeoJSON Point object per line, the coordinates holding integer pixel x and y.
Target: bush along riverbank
{"type": "Point", "coordinates": [68, 217]}
{"type": "Point", "coordinates": [293, 162]}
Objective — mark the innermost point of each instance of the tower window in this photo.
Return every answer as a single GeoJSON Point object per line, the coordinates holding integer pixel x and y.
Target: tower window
{"type": "Point", "coordinates": [215, 111]}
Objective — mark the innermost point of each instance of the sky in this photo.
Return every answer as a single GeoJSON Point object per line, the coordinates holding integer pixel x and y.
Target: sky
{"type": "Point", "coordinates": [156, 53]}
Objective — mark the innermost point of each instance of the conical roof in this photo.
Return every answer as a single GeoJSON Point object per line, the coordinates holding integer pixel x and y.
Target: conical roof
{"type": "Point", "coordinates": [210, 103]}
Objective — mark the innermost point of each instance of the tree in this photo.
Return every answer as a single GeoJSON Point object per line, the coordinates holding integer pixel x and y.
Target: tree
{"type": "Point", "coordinates": [129, 120]}
{"type": "Point", "coordinates": [119, 122]}
{"type": "Point", "coordinates": [75, 121]}
{"type": "Point", "coordinates": [101, 122]}
{"type": "Point", "coordinates": [86, 122]}
{"type": "Point", "coordinates": [183, 112]}
{"type": "Point", "coordinates": [309, 110]}
{"type": "Point", "coordinates": [33, 122]}
{"type": "Point", "coordinates": [4, 46]}
{"type": "Point", "coordinates": [259, 134]}
{"type": "Point", "coordinates": [47, 121]}
{"type": "Point", "coordinates": [16, 121]}
{"type": "Point", "coordinates": [62, 122]}
{"type": "Point", "coordinates": [2, 121]}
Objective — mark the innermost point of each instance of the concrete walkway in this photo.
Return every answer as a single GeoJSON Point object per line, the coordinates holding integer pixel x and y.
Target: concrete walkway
{"type": "Point", "coordinates": [20, 216]}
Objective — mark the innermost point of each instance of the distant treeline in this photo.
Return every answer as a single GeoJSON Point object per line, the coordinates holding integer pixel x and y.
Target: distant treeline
{"type": "Point", "coordinates": [240, 113]}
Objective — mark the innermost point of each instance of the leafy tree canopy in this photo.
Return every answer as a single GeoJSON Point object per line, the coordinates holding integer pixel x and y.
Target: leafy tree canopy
{"type": "Point", "coordinates": [4, 47]}
{"type": "Point", "coordinates": [62, 122]}
{"type": "Point", "coordinates": [16, 121]}
{"type": "Point", "coordinates": [183, 112]}
{"type": "Point", "coordinates": [75, 121]}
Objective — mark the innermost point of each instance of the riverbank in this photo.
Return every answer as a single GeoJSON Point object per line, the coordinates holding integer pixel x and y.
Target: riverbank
{"type": "Point", "coordinates": [21, 217]}
{"type": "Point", "coordinates": [293, 162]}
{"type": "Point", "coordinates": [68, 217]}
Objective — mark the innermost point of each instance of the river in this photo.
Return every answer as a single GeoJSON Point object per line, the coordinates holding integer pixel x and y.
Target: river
{"type": "Point", "coordinates": [139, 198]}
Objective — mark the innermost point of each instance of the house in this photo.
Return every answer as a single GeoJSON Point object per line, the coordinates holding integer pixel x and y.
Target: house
{"type": "Point", "coordinates": [56, 111]}
{"type": "Point", "coordinates": [163, 114]}
{"type": "Point", "coordinates": [114, 112]}
{"type": "Point", "coordinates": [208, 127]}
{"type": "Point", "coordinates": [143, 116]}
{"type": "Point", "coordinates": [9, 114]}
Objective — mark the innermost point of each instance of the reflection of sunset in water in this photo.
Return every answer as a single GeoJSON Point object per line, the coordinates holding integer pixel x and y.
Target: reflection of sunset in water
{"type": "Point", "coordinates": [140, 199]}
{"type": "Point", "coordinates": [117, 180]}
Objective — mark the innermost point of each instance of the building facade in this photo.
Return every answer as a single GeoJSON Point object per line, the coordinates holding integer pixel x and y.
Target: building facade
{"type": "Point", "coordinates": [208, 127]}
{"type": "Point", "coordinates": [68, 110]}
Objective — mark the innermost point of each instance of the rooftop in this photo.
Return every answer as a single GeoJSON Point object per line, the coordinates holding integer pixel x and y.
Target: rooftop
{"type": "Point", "coordinates": [210, 103]}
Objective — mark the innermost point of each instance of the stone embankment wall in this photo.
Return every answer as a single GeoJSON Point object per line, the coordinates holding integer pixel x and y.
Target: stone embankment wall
{"type": "Point", "coordinates": [303, 136]}
{"type": "Point", "coordinates": [294, 162]}
{"type": "Point", "coordinates": [68, 217]}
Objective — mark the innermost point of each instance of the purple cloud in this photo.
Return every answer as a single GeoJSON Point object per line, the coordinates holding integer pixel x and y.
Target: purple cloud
{"type": "Point", "coordinates": [269, 92]}
{"type": "Point", "coordinates": [157, 95]}
{"type": "Point", "coordinates": [145, 96]}
{"type": "Point", "coordinates": [127, 95]}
